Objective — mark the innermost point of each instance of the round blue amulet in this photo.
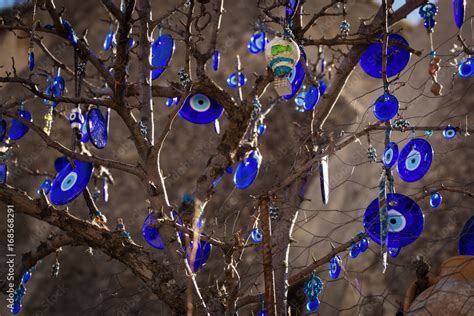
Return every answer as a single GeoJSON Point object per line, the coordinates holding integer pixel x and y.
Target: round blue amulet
{"type": "Point", "coordinates": [390, 155]}
{"type": "Point", "coordinates": [261, 129]}
{"type": "Point", "coordinates": [236, 80]}
{"type": "Point", "coordinates": [466, 68]}
{"type": "Point", "coordinates": [386, 107]}
{"type": "Point", "coordinates": [256, 235]}
{"type": "Point", "coordinates": [312, 306]}
{"type": "Point", "coordinates": [334, 267]}
{"type": "Point", "coordinates": [435, 199]}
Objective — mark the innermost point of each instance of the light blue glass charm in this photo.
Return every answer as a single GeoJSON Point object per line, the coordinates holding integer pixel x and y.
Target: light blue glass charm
{"type": "Point", "coordinates": [256, 235]}
{"type": "Point", "coordinates": [334, 267]}
{"type": "Point", "coordinates": [449, 132]}
{"type": "Point", "coordinates": [466, 68]}
{"type": "Point", "coordinates": [390, 155]}
{"type": "Point", "coordinates": [428, 12]}
{"type": "Point", "coordinates": [247, 170]}
{"type": "Point", "coordinates": [435, 199]}
{"type": "Point", "coordinates": [429, 133]}
{"type": "Point", "coordinates": [386, 107]}
{"type": "Point", "coordinates": [299, 101]}
{"type": "Point", "coordinates": [236, 80]}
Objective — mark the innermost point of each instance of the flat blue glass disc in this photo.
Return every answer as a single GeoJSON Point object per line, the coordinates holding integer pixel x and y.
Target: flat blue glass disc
{"type": "Point", "coordinates": [311, 98]}
{"type": "Point", "coordinates": [162, 51]}
{"type": "Point", "coordinates": [3, 172]}
{"type": "Point", "coordinates": [18, 129]}
{"type": "Point", "coordinates": [3, 129]}
{"type": "Point", "coordinates": [449, 132]}
{"type": "Point", "coordinates": [459, 7]}
{"type": "Point", "coordinates": [324, 179]}
{"type": "Point", "coordinates": [247, 170]}
{"type": "Point", "coordinates": [60, 163]}
{"type": "Point", "coordinates": [200, 109]}
{"type": "Point", "coordinates": [97, 128]}
{"type": "Point", "coordinates": [202, 254]}
{"type": "Point", "coordinates": [386, 107]}
{"type": "Point", "coordinates": [150, 233]}
{"type": "Point", "coordinates": [257, 43]}
{"type": "Point", "coordinates": [233, 83]}
{"type": "Point", "coordinates": [69, 183]}
{"type": "Point", "coordinates": [435, 199]}
{"type": "Point", "coordinates": [405, 220]}
{"type": "Point", "coordinates": [390, 155]}
{"type": "Point", "coordinates": [334, 267]}
{"type": "Point", "coordinates": [466, 239]}
{"type": "Point", "coordinates": [414, 160]}
{"type": "Point", "coordinates": [296, 77]}
{"type": "Point", "coordinates": [398, 58]}
{"type": "Point", "coordinates": [256, 235]}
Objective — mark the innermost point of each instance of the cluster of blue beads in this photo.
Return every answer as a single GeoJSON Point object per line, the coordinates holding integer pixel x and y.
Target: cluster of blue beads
{"type": "Point", "coordinates": [121, 228]}
{"type": "Point", "coordinates": [428, 12]}
{"type": "Point", "coordinates": [19, 293]}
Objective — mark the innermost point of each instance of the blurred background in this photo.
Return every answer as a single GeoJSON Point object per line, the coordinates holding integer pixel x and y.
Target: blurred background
{"type": "Point", "coordinates": [95, 285]}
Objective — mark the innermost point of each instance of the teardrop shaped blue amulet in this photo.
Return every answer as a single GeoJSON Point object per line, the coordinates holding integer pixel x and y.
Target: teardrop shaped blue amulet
{"type": "Point", "coordinates": [97, 128]}
{"type": "Point", "coordinates": [466, 68]}
{"type": "Point", "coordinates": [108, 40]}
{"type": "Point", "coordinates": [397, 58]}
{"type": "Point", "coordinates": [18, 129]}
{"type": "Point", "coordinates": [386, 107]}
{"type": "Point", "coordinates": [394, 252]}
{"type": "Point", "coordinates": [414, 160]}
{"type": "Point", "coordinates": [459, 8]}
{"type": "Point", "coordinates": [311, 98]}
{"type": "Point", "coordinates": [247, 170]}
{"type": "Point", "coordinates": [435, 199]}
{"type": "Point", "coordinates": [201, 109]}
{"type": "Point", "coordinates": [162, 51]}
{"type": "Point", "coordinates": [364, 244]}
{"type": "Point", "coordinates": [405, 220]}
{"type": "Point", "coordinates": [203, 252]}
{"type": "Point", "coordinates": [151, 233]}
{"type": "Point", "coordinates": [390, 154]}
{"type": "Point", "coordinates": [70, 182]}
{"type": "Point", "coordinates": [312, 306]}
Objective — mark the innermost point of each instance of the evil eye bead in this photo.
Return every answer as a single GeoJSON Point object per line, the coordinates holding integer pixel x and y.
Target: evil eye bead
{"type": "Point", "coordinates": [414, 160]}
{"type": "Point", "coordinates": [312, 306]}
{"type": "Point", "coordinates": [435, 199]}
{"type": "Point", "coordinates": [322, 87]}
{"type": "Point", "coordinates": [311, 98]}
{"type": "Point", "coordinates": [390, 155]}
{"type": "Point", "coordinates": [76, 119]}
{"type": "Point", "coordinates": [256, 235]}
{"type": "Point", "coordinates": [151, 233]}
{"type": "Point", "coordinates": [18, 129]}
{"type": "Point", "coordinates": [3, 129]}
{"type": "Point", "coordinates": [3, 172]}
{"type": "Point", "coordinates": [459, 8]}
{"type": "Point", "coordinates": [31, 60]}
{"type": "Point", "coordinates": [45, 186]}
{"type": "Point", "coordinates": [261, 129]}
{"type": "Point", "coordinates": [257, 43]}
{"type": "Point", "coordinates": [364, 244]}
{"type": "Point", "coordinates": [108, 40]}
{"type": "Point", "coordinates": [98, 128]}
{"type": "Point", "coordinates": [247, 170]}
{"type": "Point", "coordinates": [60, 163]}
{"type": "Point", "coordinates": [449, 132]}
{"type": "Point", "coordinates": [386, 107]}
{"type": "Point", "coordinates": [334, 267]}
{"type": "Point", "coordinates": [26, 277]}
{"type": "Point", "coordinates": [466, 239]}
{"type": "Point", "coordinates": [200, 109]}
{"type": "Point", "coordinates": [216, 58]}
{"type": "Point", "coordinates": [405, 220]}
{"type": "Point", "coordinates": [236, 80]}
{"type": "Point", "coordinates": [200, 103]}
{"type": "Point", "coordinates": [203, 252]}
{"type": "Point", "coordinates": [296, 77]}
{"type": "Point", "coordinates": [394, 252]}
{"type": "Point", "coordinates": [466, 68]}
{"type": "Point", "coordinates": [354, 251]}
{"type": "Point", "coordinates": [162, 52]}
{"type": "Point", "coordinates": [70, 182]}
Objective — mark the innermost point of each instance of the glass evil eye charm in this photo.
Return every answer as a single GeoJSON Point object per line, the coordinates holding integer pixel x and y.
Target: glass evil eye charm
{"type": "Point", "coordinates": [200, 109]}
{"type": "Point", "coordinates": [405, 220]}
{"type": "Point", "coordinates": [322, 87]}
{"type": "Point", "coordinates": [236, 80]}
{"type": "Point", "coordinates": [363, 244]}
{"type": "Point", "coordinates": [3, 129]}
{"type": "Point", "coordinates": [312, 306]}
{"type": "Point", "coordinates": [435, 199]}
{"type": "Point", "coordinates": [3, 173]}
{"type": "Point", "coordinates": [256, 235]}
{"type": "Point", "coordinates": [311, 98]}
{"type": "Point", "coordinates": [398, 58]}
{"type": "Point", "coordinates": [466, 68]}
{"type": "Point", "coordinates": [76, 119]}
{"type": "Point", "coordinates": [202, 254]}
{"type": "Point", "coordinates": [386, 107]}
{"type": "Point", "coordinates": [70, 182]}
{"type": "Point", "coordinates": [60, 163]}
{"type": "Point", "coordinates": [216, 59]}
{"type": "Point", "coordinates": [45, 187]}
{"type": "Point", "coordinates": [18, 129]}
{"type": "Point", "coordinates": [394, 252]}
{"type": "Point", "coordinates": [449, 132]}
{"type": "Point", "coordinates": [71, 34]}
{"type": "Point", "coordinates": [312, 288]}
{"type": "Point", "coordinates": [466, 239]}
{"type": "Point", "coordinates": [108, 39]}
{"type": "Point", "coordinates": [257, 43]}
{"type": "Point", "coordinates": [334, 267]}
{"type": "Point", "coordinates": [459, 7]}
{"type": "Point", "coordinates": [296, 77]}
{"type": "Point", "coordinates": [247, 170]}
{"type": "Point", "coordinates": [290, 9]}
{"type": "Point", "coordinates": [31, 60]}
{"type": "Point", "coordinates": [354, 250]}
{"type": "Point", "coordinates": [261, 129]}
{"type": "Point", "coordinates": [151, 233]}
{"type": "Point", "coordinates": [97, 128]}
{"type": "Point", "coordinates": [414, 160]}
{"type": "Point", "coordinates": [162, 51]}
{"type": "Point", "coordinates": [26, 277]}
{"type": "Point", "coordinates": [390, 155]}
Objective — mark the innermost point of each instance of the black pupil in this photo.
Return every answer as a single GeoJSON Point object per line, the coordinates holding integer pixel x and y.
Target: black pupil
{"type": "Point", "coordinates": [393, 221]}
{"type": "Point", "coordinates": [201, 102]}
{"type": "Point", "coordinates": [413, 160]}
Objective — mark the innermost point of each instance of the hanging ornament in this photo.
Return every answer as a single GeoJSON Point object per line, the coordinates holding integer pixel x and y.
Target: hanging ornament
{"type": "Point", "coordinates": [386, 107]}
{"type": "Point", "coordinates": [335, 267]}
{"type": "Point", "coordinates": [282, 55]}
{"type": "Point", "coordinates": [428, 133]}
{"type": "Point", "coordinates": [296, 77]}
{"type": "Point", "coordinates": [290, 9]}
{"type": "Point", "coordinates": [216, 58]}
{"type": "Point", "coordinates": [150, 232]}
{"type": "Point", "coordinates": [121, 228]}
{"type": "Point", "coordinates": [256, 235]}
{"type": "Point", "coordinates": [200, 109]}
{"type": "Point", "coordinates": [109, 39]}
{"type": "Point", "coordinates": [363, 244]}
{"type": "Point", "coordinates": [70, 182]}
{"type": "Point", "coordinates": [466, 239]}
{"type": "Point", "coordinates": [435, 199]}
{"type": "Point", "coordinates": [44, 187]}
{"type": "Point", "coordinates": [414, 160]}
{"type": "Point", "coordinates": [3, 128]}
{"type": "Point", "coordinates": [401, 125]}
{"type": "Point", "coordinates": [162, 51]}
{"type": "Point", "coordinates": [344, 28]}
{"type": "Point", "coordinates": [3, 172]}
{"type": "Point", "coordinates": [98, 127]}
{"type": "Point", "coordinates": [354, 250]}
{"type": "Point", "coordinates": [312, 288]}
{"type": "Point", "coordinates": [394, 252]}
{"type": "Point", "coordinates": [459, 8]}
{"type": "Point", "coordinates": [71, 34]}
{"type": "Point", "coordinates": [236, 80]}
{"type": "Point", "coordinates": [257, 43]}
{"type": "Point", "coordinates": [274, 213]}
{"type": "Point", "coordinates": [390, 155]}
{"type": "Point", "coordinates": [98, 218]}
{"type": "Point", "coordinates": [311, 98]}
{"type": "Point", "coordinates": [247, 170]}
{"type": "Point", "coordinates": [261, 129]}
{"type": "Point", "coordinates": [449, 132]}
{"type": "Point", "coordinates": [31, 53]}
{"type": "Point", "coordinates": [371, 154]}
{"type": "Point", "coordinates": [76, 119]}
{"type": "Point", "coordinates": [18, 129]}
{"type": "Point", "coordinates": [466, 68]}
{"type": "Point", "coordinates": [202, 253]}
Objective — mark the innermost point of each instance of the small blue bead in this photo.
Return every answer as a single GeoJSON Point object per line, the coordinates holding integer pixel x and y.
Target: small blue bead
{"type": "Point", "coordinates": [312, 306]}
{"type": "Point", "coordinates": [16, 308]}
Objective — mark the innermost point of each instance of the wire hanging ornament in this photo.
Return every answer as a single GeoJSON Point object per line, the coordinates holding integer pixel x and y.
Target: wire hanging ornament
{"type": "Point", "coordinates": [345, 26]}
{"type": "Point", "coordinates": [31, 53]}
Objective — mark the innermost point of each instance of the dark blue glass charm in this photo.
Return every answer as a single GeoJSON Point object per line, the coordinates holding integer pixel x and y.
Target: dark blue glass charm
{"type": "Point", "coordinates": [60, 163]}
{"type": "Point", "coordinates": [3, 172]}
{"type": "Point", "coordinates": [216, 59]}
{"type": "Point", "coordinates": [428, 12]}
{"type": "Point", "coordinates": [414, 160]}
{"type": "Point", "coordinates": [466, 239]}
{"type": "Point", "coordinates": [398, 58]}
{"type": "Point", "coordinates": [162, 52]}
{"type": "Point", "coordinates": [405, 220]}
{"type": "Point", "coordinates": [200, 109]}
{"type": "Point", "coordinates": [18, 129]}
{"type": "Point", "coordinates": [257, 43]}
{"type": "Point", "coordinates": [394, 252]}
{"type": "Point", "coordinates": [296, 77]}
{"type": "Point", "coordinates": [151, 233]}
{"type": "Point", "coordinates": [108, 39]}
{"type": "Point", "coordinates": [26, 277]}
{"type": "Point", "coordinates": [312, 306]}
{"type": "Point", "coordinates": [466, 68]}
{"type": "Point", "coordinates": [236, 80]}
{"type": "Point", "coordinates": [449, 132]}
{"type": "Point", "coordinates": [354, 251]}
{"type": "Point", "coordinates": [386, 107]}
{"type": "Point", "coordinates": [435, 199]}
{"type": "Point", "coordinates": [247, 170]}
{"type": "Point", "coordinates": [334, 267]}
{"type": "Point", "coordinates": [45, 187]}
{"type": "Point", "coordinates": [97, 128]}
{"type": "Point", "coordinates": [16, 308]}
{"type": "Point", "coordinates": [322, 87]}
{"type": "Point", "coordinates": [256, 235]}
{"type": "Point", "coordinates": [31, 60]}
{"type": "Point", "coordinates": [311, 98]}
{"type": "Point", "coordinates": [261, 129]}
{"type": "Point", "coordinates": [290, 9]}
{"type": "Point", "coordinates": [324, 179]}
{"type": "Point", "coordinates": [390, 155]}
{"type": "Point", "coordinates": [70, 182]}
{"type": "Point", "coordinates": [459, 7]}
{"type": "Point", "coordinates": [71, 34]}
{"type": "Point", "coordinates": [3, 129]}
{"type": "Point", "coordinates": [203, 252]}
{"type": "Point", "coordinates": [363, 244]}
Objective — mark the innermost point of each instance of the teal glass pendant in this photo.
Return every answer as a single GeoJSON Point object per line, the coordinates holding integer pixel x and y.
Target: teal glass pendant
{"type": "Point", "coordinates": [312, 288]}
{"type": "Point", "coordinates": [435, 199]}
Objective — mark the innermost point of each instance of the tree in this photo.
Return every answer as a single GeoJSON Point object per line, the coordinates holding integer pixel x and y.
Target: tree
{"type": "Point", "coordinates": [121, 81]}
